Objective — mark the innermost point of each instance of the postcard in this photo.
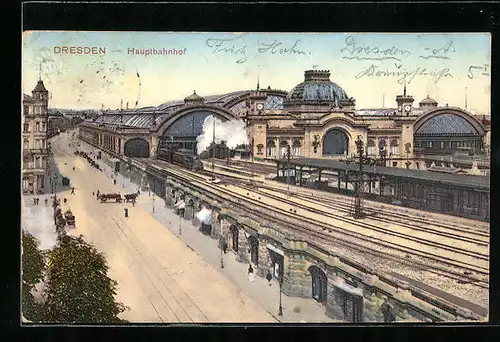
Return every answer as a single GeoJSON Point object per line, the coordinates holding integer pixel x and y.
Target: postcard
{"type": "Point", "coordinates": [220, 177]}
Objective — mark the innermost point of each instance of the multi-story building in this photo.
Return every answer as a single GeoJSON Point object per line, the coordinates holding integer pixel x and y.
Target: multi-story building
{"type": "Point", "coordinates": [317, 119]}
{"type": "Point", "coordinates": [35, 151]}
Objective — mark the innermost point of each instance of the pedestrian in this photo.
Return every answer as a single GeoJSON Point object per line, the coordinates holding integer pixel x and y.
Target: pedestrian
{"type": "Point", "coordinates": [93, 193]}
{"type": "Point", "coordinates": [251, 276]}
{"type": "Point", "coordinates": [73, 190]}
{"type": "Point", "coordinates": [34, 200]}
{"type": "Point", "coordinates": [46, 200]}
{"type": "Point", "coordinates": [391, 315]}
{"type": "Point", "coordinates": [269, 276]}
{"type": "Point", "coordinates": [126, 212]}
{"type": "Point", "coordinates": [114, 181]}
{"type": "Point", "coordinates": [224, 246]}
{"type": "Point", "coordinates": [97, 192]}
{"type": "Point", "coordinates": [73, 168]}
{"type": "Point", "coordinates": [385, 309]}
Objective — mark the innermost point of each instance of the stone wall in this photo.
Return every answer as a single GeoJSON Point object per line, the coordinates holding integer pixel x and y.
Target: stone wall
{"type": "Point", "coordinates": [300, 255]}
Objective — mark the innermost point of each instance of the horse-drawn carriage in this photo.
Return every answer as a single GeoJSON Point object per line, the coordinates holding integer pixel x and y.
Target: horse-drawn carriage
{"type": "Point", "coordinates": [65, 181]}
{"type": "Point", "coordinates": [131, 197]}
{"type": "Point", "coordinates": [110, 197]}
{"type": "Point", "coordinates": [69, 218]}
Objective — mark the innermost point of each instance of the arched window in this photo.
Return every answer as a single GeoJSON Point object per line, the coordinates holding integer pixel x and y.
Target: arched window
{"type": "Point", "coordinates": [381, 144]}
{"type": "Point", "coordinates": [319, 284]}
{"type": "Point", "coordinates": [394, 147]}
{"type": "Point", "coordinates": [296, 148]}
{"type": "Point", "coordinates": [259, 148]}
{"type": "Point", "coordinates": [271, 148]}
{"type": "Point", "coordinates": [138, 148]}
{"type": "Point", "coordinates": [370, 147]}
{"type": "Point", "coordinates": [283, 148]}
{"type": "Point", "coordinates": [335, 142]}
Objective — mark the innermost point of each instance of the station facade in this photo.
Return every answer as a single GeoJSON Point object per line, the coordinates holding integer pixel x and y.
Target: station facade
{"type": "Point", "coordinates": [35, 150]}
{"type": "Point", "coordinates": [316, 119]}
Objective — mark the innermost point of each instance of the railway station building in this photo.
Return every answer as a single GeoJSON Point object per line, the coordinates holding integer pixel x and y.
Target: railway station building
{"type": "Point", "coordinates": [316, 119]}
{"type": "Point", "coordinates": [35, 150]}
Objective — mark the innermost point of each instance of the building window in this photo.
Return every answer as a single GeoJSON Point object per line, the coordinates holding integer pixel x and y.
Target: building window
{"type": "Point", "coordinates": [37, 127]}
{"type": "Point", "coordinates": [370, 147]}
{"type": "Point", "coordinates": [259, 127]}
{"type": "Point", "coordinates": [394, 164]}
{"type": "Point", "coordinates": [26, 144]}
{"type": "Point", "coordinates": [381, 144]}
{"type": "Point", "coordinates": [259, 148]}
{"type": "Point", "coordinates": [394, 147]}
{"type": "Point", "coordinates": [26, 127]}
{"type": "Point", "coordinates": [37, 110]}
{"type": "Point", "coordinates": [26, 109]}
{"type": "Point", "coordinates": [283, 148]}
{"type": "Point", "coordinates": [296, 148]}
{"type": "Point", "coordinates": [44, 127]}
{"type": "Point", "coordinates": [442, 144]}
{"type": "Point", "coordinates": [271, 148]}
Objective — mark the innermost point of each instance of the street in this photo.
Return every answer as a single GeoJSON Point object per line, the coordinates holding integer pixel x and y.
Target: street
{"type": "Point", "coordinates": [158, 277]}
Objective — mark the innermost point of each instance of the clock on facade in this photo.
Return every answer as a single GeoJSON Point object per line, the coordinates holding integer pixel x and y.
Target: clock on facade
{"type": "Point", "coordinates": [260, 106]}
{"type": "Point", "coordinates": [407, 108]}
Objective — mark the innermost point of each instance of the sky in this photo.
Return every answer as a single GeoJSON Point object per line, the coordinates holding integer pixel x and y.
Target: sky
{"type": "Point", "coordinates": [372, 68]}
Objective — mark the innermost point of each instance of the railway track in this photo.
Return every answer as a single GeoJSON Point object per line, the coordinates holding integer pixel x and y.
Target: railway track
{"type": "Point", "coordinates": [338, 199]}
{"type": "Point", "coordinates": [390, 218]}
{"type": "Point", "coordinates": [320, 235]}
{"type": "Point", "coordinates": [383, 230]}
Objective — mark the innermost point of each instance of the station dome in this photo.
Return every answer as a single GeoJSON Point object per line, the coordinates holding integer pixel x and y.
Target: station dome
{"type": "Point", "coordinates": [316, 89]}
{"type": "Point", "coordinates": [428, 102]}
{"type": "Point", "coordinates": [194, 98]}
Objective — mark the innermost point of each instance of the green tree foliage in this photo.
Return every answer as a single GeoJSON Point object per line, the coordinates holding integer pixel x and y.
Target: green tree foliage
{"type": "Point", "coordinates": [33, 266]}
{"type": "Point", "coordinates": [79, 290]}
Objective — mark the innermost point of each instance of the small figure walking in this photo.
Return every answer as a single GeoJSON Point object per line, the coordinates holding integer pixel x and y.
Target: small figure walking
{"type": "Point", "coordinates": [269, 276]}
{"type": "Point", "coordinates": [93, 193]}
{"type": "Point", "coordinates": [98, 193]}
{"type": "Point", "coordinates": [73, 168]}
{"type": "Point", "coordinates": [46, 200]}
{"type": "Point", "coordinates": [126, 212]}
{"type": "Point", "coordinates": [133, 202]}
{"type": "Point", "coordinates": [73, 190]}
{"type": "Point", "coordinates": [386, 310]}
{"type": "Point", "coordinates": [114, 181]}
{"type": "Point", "coordinates": [251, 276]}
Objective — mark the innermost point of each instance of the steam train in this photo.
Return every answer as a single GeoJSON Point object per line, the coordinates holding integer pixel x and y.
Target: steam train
{"type": "Point", "coordinates": [181, 157]}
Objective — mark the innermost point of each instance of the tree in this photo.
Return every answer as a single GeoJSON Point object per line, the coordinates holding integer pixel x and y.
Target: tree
{"type": "Point", "coordinates": [78, 289]}
{"type": "Point", "coordinates": [33, 267]}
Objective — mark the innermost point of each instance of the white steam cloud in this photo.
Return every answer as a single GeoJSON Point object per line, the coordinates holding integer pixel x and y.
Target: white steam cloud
{"type": "Point", "coordinates": [205, 216]}
{"type": "Point", "coordinates": [233, 132]}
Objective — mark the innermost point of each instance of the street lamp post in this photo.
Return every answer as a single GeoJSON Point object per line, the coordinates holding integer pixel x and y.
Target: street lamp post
{"type": "Point", "coordinates": [288, 169]}
{"type": "Point", "coordinates": [213, 150]}
{"type": "Point", "coordinates": [154, 195]}
{"type": "Point", "coordinates": [280, 308]}
{"type": "Point", "coordinates": [357, 193]}
{"type": "Point", "coordinates": [221, 253]}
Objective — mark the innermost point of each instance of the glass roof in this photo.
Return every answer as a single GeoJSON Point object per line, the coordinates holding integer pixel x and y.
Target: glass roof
{"type": "Point", "coordinates": [143, 117]}
{"type": "Point", "coordinates": [445, 124]}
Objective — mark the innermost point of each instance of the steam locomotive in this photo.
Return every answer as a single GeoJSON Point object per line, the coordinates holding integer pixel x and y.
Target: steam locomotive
{"type": "Point", "coordinates": [181, 157]}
